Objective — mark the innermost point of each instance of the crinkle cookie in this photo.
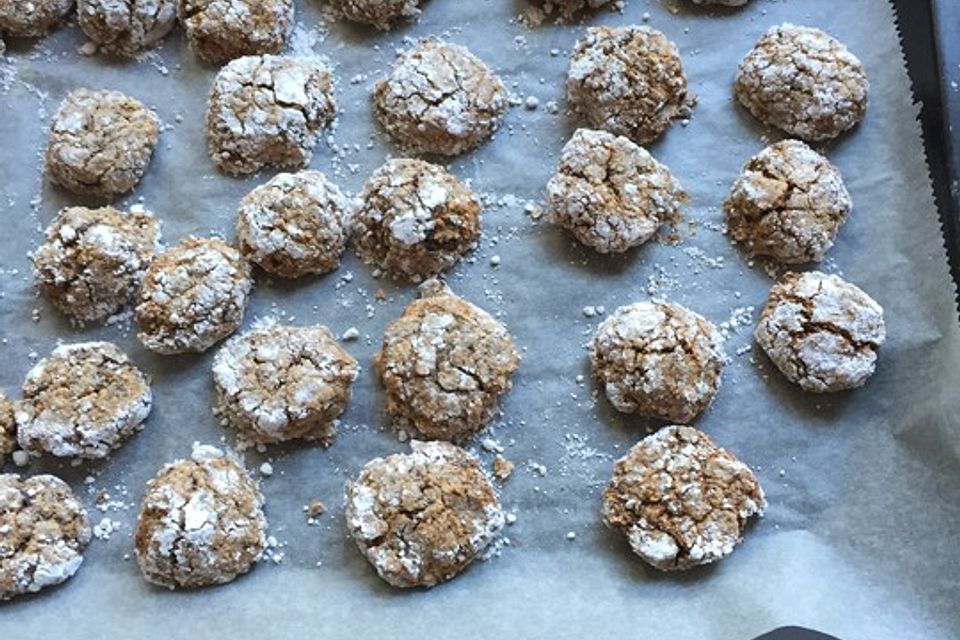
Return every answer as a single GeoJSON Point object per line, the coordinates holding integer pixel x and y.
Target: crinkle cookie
{"type": "Point", "coordinates": [83, 401]}
{"type": "Point", "coordinates": [444, 364]}
{"type": "Point", "coordinates": [382, 14]}
{"type": "Point", "coordinates": [422, 517]}
{"type": "Point", "coordinates": [92, 260]}
{"type": "Point", "coordinates": [822, 332]}
{"type": "Point", "coordinates": [43, 532]}
{"type": "Point", "coordinates": [277, 383]}
{"type": "Point", "coordinates": [221, 30]}
{"type": "Point", "coordinates": [804, 82]}
{"type": "Point", "coordinates": [32, 18]}
{"type": "Point", "coordinates": [297, 223]}
{"type": "Point", "coordinates": [788, 203]}
{"type": "Point", "coordinates": [192, 296]}
{"type": "Point", "coordinates": [126, 27]}
{"type": "Point", "coordinates": [568, 8]}
{"type": "Point", "coordinates": [201, 522]}
{"type": "Point", "coordinates": [628, 81]}
{"type": "Point", "coordinates": [680, 500]}
{"type": "Point", "coordinates": [8, 428]}
{"type": "Point", "coordinates": [415, 219]}
{"type": "Point", "coordinates": [610, 193]}
{"type": "Point", "coordinates": [440, 99]}
{"type": "Point", "coordinates": [268, 110]}
{"type": "Point", "coordinates": [100, 143]}
{"type": "Point", "coordinates": [658, 359]}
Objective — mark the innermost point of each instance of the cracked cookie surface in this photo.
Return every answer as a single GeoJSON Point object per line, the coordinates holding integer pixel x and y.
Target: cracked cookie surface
{"type": "Point", "coordinates": [43, 532]}
{"type": "Point", "coordinates": [628, 81]}
{"type": "Point", "coordinates": [221, 30]}
{"type": "Point", "coordinates": [439, 99]}
{"type": "Point", "coordinates": [100, 143]}
{"type": "Point", "coordinates": [803, 81]}
{"type": "Point", "coordinates": [821, 332]}
{"type": "Point", "coordinates": [8, 428]}
{"type": "Point", "coordinates": [32, 18]}
{"type": "Point", "coordinates": [201, 522]}
{"type": "Point", "coordinates": [268, 110]}
{"type": "Point", "coordinates": [415, 219]}
{"type": "Point", "coordinates": [680, 500]}
{"type": "Point", "coordinates": [277, 383]}
{"type": "Point", "coordinates": [610, 193]}
{"type": "Point", "coordinates": [126, 27]}
{"type": "Point", "coordinates": [192, 296]}
{"type": "Point", "coordinates": [788, 203]}
{"type": "Point", "coordinates": [422, 517]}
{"type": "Point", "coordinates": [83, 401]}
{"type": "Point", "coordinates": [658, 359]}
{"type": "Point", "coordinates": [382, 14]}
{"type": "Point", "coordinates": [93, 260]}
{"type": "Point", "coordinates": [444, 364]}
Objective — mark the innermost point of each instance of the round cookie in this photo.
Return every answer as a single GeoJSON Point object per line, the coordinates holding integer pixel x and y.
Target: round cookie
{"type": "Point", "coordinates": [803, 81]}
{"type": "Point", "coordinates": [788, 203]}
{"type": "Point", "coordinates": [201, 522]}
{"type": "Point", "coordinates": [628, 81]}
{"type": "Point", "coordinates": [92, 260]}
{"type": "Point", "coordinates": [568, 8]}
{"type": "Point", "coordinates": [8, 428]}
{"type": "Point", "coordinates": [268, 110]}
{"type": "Point", "coordinates": [421, 517]}
{"type": "Point", "coordinates": [610, 193]}
{"type": "Point", "coordinates": [100, 143]}
{"type": "Point", "coordinates": [32, 18]}
{"type": "Point", "coordinates": [221, 30]}
{"type": "Point", "coordinates": [658, 359]}
{"type": "Point", "coordinates": [680, 500]}
{"type": "Point", "coordinates": [43, 532]}
{"type": "Point", "coordinates": [277, 383]}
{"type": "Point", "coordinates": [439, 99]}
{"type": "Point", "coordinates": [126, 27]}
{"type": "Point", "coordinates": [192, 296]}
{"type": "Point", "coordinates": [83, 401]}
{"type": "Point", "coordinates": [415, 219]}
{"type": "Point", "coordinates": [294, 224]}
{"type": "Point", "coordinates": [444, 364]}
{"type": "Point", "coordinates": [822, 332]}
{"type": "Point", "coordinates": [382, 14]}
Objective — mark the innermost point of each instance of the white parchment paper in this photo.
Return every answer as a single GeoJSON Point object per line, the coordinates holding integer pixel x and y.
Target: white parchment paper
{"type": "Point", "coordinates": [860, 539]}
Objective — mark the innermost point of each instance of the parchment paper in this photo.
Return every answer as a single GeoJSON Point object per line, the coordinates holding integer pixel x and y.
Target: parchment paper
{"type": "Point", "coordinates": [860, 539]}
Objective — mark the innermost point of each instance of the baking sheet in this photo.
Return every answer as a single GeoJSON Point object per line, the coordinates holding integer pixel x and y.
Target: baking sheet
{"type": "Point", "coordinates": [864, 488]}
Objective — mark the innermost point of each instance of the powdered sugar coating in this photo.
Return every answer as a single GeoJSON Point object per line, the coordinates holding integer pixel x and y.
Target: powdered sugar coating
{"type": "Point", "coordinates": [221, 30]}
{"type": "Point", "coordinates": [192, 296]}
{"type": "Point", "coordinates": [680, 500]}
{"type": "Point", "coordinates": [628, 81]}
{"type": "Point", "coordinates": [444, 364]}
{"type": "Point", "coordinates": [382, 14]}
{"type": "Point", "coordinates": [277, 383]}
{"type": "Point", "coordinates": [439, 98]}
{"type": "Point", "coordinates": [8, 428]}
{"type": "Point", "coordinates": [658, 359]}
{"type": "Point", "coordinates": [268, 110]}
{"type": "Point", "coordinates": [43, 532]}
{"type": "Point", "coordinates": [822, 332]}
{"type": "Point", "coordinates": [126, 27]}
{"type": "Point", "coordinates": [32, 18]}
{"type": "Point", "coordinates": [610, 193]}
{"type": "Point", "coordinates": [422, 517]}
{"type": "Point", "coordinates": [803, 81]}
{"type": "Point", "coordinates": [201, 522]}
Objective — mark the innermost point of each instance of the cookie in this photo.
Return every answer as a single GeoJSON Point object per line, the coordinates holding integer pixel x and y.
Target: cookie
{"type": "Point", "coordinates": [83, 401]}
{"type": "Point", "coordinates": [415, 219]}
{"type": "Point", "coordinates": [382, 14]}
{"type": "Point", "coordinates": [201, 522]}
{"type": "Point", "coordinates": [100, 143]}
{"type": "Point", "coordinates": [32, 18]}
{"type": "Point", "coordinates": [822, 332]}
{"type": "Point", "coordinates": [92, 261]}
{"type": "Point", "coordinates": [422, 517]}
{"type": "Point", "coordinates": [610, 193]}
{"type": "Point", "coordinates": [628, 81]}
{"type": "Point", "coordinates": [221, 30]}
{"type": "Point", "coordinates": [439, 99]}
{"type": "Point", "coordinates": [192, 296]}
{"type": "Point", "coordinates": [803, 81]}
{"type": "Point", "coordinates": [659, 360]}
{"type": "Point", "coordinates": [277, 382]}
{"type": "Point", "coordinates": [268, 111]}
{"type": "Point", "coordinates": [569, 8]}
{"type": "Point", "coordinates": [445, 363]}
{"type": "Point", "coordinates": [127, 27]}
{"type": "Point", "coordinates": [680, 500]}
{"type": "Point", "coordinates": [8, 428]}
